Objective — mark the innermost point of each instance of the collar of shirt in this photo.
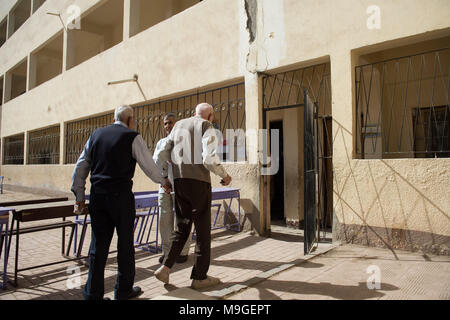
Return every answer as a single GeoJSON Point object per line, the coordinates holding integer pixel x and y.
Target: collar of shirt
{"type": "Point", "coordinates": [120, 123]}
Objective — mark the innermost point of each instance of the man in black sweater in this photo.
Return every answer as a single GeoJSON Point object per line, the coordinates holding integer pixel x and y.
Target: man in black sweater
{"type": "Point", "coordinates": [110, 155]}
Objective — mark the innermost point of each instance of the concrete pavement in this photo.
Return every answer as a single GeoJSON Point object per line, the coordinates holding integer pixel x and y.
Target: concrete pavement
{"type": "Point", "coordinates": [250, 267]}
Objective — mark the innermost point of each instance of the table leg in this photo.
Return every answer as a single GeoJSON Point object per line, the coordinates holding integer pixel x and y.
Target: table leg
{"type": "Point", "coordinates": [10, 236]}
{"type": "Point", "coordinates": [5, 263]}
{"type": "Point", "coordinates": [227, 213]}
{"type": "Point", "coordinates": [70, 240]}
{"type": "Point", "coordinates": [63, 238]}
{"type": "Point", "coordinates": [239, 213]}
{"type": "Point", "coordinates": [82, 235]}
{"type": "Point", "coordinates": [2, 237]}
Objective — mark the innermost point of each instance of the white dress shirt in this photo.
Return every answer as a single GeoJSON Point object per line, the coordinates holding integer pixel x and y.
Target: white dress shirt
{"type": "Point", "coordinates": [140, 153]}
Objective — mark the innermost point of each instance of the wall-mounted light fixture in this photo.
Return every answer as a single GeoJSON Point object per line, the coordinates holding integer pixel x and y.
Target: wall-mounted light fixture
{"type": "Point", "coordinates": [134, 79]}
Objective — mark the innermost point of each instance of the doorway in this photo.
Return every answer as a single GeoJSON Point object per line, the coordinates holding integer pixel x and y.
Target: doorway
{"type": "Point", "coordinates": [289, 200]}
{"type": "Point", "coordinates": [277, 215]}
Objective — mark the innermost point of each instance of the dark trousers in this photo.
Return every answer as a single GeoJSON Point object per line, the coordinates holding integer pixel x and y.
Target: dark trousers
{"type": "Point", "coordinates": [192, 205]}
{"type": "Point", "coordinates": [108, 212]}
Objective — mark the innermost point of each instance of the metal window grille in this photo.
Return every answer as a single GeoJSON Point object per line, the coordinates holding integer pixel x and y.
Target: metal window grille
{"type": "Point", "coordinates": [285, 90]}
{"type": "Point", "coordinates": [43, 146]}
{"type": "Point", "coordinates": [431, 132]}
{"type": "Point", "coordinates": [13, 150]}
{"type": "Point", "coordinates": [229, 112]}
{"type": "Point", "coordinates": [78, 133]}
{"type": "Point", "coordinates": [402, 107]}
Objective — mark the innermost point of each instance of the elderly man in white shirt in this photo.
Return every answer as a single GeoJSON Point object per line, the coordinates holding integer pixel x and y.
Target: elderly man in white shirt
{"type": "Point", "coordinates": [110, 156]}
{"type": "Point", "coordinates": [166, 201]}
{"type": "Point", "coordinates": [195, 141]}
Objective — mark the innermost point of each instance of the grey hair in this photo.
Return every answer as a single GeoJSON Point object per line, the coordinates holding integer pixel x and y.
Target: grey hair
{"type": "Point", "coordinates": [170, 115]}
{"type": "Point", "coordinates": [123, 113]}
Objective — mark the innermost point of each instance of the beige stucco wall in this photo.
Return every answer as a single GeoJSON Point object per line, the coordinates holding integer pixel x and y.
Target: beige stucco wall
{"type": "Point", "coordinates": [311, 30]}
{"type": "Point", "coordinates": [411, 194]}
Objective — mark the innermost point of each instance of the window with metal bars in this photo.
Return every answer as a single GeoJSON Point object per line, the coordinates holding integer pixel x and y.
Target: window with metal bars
{"type": "Point", "coordinates": [13, 149]}
{"type": "Point", "coordinates": [229, 112]}
{"type": "Point", "coordinates": [402, 107]}
{"type": "Point", "coordinates": [431, 132]}
{"type": "Point", "coordinates": [78, 133]}
{"type": "Point", "coordinates": [43, 146]}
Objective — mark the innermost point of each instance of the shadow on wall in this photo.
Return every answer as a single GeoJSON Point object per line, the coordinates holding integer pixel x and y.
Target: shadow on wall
{"type": "Point", "coordinates": [251, 218]}
{"type": "Point", "coordinates": [355, 203]}
{"type": "Point", "coordinates": [249, 215]}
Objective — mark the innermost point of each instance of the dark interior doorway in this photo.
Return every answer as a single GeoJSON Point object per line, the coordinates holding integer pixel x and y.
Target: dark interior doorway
{"type": "Point", "coordinates": [277, 180]}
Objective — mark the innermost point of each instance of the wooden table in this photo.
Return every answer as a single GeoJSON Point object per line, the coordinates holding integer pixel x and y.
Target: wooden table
{"type": "Point", "coordinates": [35, 201]}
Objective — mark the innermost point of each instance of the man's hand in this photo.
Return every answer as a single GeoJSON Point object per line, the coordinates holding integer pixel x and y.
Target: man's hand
{"type": "Point", "coordinates": [226, 181]}
{"type": "Point", "coordinates": [167, 186]}
{"type": "Point", "coordinates": [79, 207]}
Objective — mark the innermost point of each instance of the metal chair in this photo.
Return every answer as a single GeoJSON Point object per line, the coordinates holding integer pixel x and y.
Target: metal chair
{"type": "Point", "coordinates": [1, 184]}
{"type": "Point", "coordinates": [143, 217]}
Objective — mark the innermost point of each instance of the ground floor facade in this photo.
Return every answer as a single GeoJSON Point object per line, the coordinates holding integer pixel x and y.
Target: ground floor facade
{"type": "Point", "coordinates": [377, 79]}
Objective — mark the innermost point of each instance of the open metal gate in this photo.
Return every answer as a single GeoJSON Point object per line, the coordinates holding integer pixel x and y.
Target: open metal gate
{"type": "Point", "coordinates": [310, 158]}
{"type": "Point", "coordinates": [308, 88]}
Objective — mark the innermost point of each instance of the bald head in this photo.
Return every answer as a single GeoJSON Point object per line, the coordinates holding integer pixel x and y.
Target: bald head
{"type": "Point", "coordinates": [205, 111]}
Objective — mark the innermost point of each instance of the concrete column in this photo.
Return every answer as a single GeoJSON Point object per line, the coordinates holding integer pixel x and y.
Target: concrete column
{"type": "Point", "coordinates": [68, 50]}
{"type": "Point", "coordinates": [342, 83]}
{"type": "Point", "coordinates": [31, 71]}
{"type": "Point", "coordinates": [25, 147]}
{"type": "Point", "coordinates": [7, 26]}
{"type": "Point", "coordinates": [131, 19]}
{"type": "Point", "coordinates": [126, 19]}
{"type": "Point", "coordinates": [4, 89]}
{"type": "Point", "coordinates": [11, 24]}
{"type": "Point", "coordinates": [253, 123]}
{"type": "Point", "coordinates": [7, 87]}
